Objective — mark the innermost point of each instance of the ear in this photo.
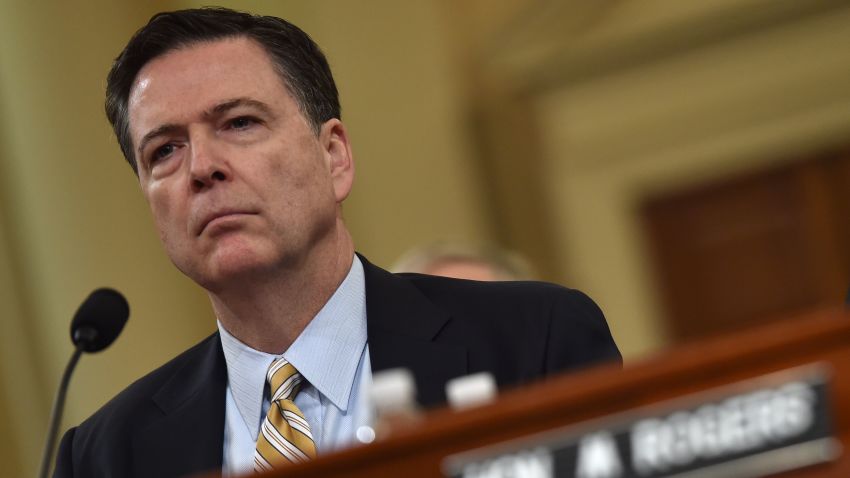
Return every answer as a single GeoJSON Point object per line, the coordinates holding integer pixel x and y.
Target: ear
{"type": "Point", "coordinates": [340, 161]}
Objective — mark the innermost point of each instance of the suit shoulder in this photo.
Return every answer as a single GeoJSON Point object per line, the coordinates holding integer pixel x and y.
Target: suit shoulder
{"type": "Point", "coordinates": [103, 445]}
{"type": "Point", "coordinates": [566, 324]}
{"type": "Point", "coordinates": [134, 402]}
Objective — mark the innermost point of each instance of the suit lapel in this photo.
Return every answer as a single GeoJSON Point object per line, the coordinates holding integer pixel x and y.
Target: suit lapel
{"type": "Point", "coordinates": [189, 437]}
{"type": "Point", "coordinates": [403, 329]}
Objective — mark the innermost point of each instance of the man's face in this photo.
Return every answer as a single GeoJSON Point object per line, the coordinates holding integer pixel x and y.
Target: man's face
{"type": "Point", "coordinates": [238, 182]}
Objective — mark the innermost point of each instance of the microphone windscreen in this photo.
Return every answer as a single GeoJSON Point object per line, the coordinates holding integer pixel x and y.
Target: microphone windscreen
{"type": "Point", "coordinates": [105, 311]}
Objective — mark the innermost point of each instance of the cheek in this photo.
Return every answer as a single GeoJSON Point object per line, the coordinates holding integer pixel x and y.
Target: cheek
{"type": "Point", "coordinates": [162, 209]}
{"type": "Point", "coordinates": [292, 176]}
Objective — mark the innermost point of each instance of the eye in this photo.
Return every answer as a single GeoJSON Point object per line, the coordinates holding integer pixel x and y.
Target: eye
{"type": "Point", "coordinates": [162, 152]}
{"type": "Point", "coordinates": [242, 122]}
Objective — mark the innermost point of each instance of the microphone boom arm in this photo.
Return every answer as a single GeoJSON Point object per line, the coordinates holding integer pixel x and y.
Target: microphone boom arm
{"type": "Point", "coordinates": [56, 411]}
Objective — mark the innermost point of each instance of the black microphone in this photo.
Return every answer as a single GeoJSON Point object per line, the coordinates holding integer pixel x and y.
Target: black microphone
{"type": "Point", "coordinates": [97, 323]}
{"type": "Point", "coordinates": [99, 320]}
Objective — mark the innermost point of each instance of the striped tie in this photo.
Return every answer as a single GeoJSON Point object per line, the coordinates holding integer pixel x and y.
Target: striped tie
{"type": "Point", "coordinates": [285, 434]}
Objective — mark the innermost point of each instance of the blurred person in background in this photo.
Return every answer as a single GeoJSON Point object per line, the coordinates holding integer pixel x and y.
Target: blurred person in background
{"type": "Point", "coordinates": [232, 125]}
{"type": "Point", "coordinates": [461, 261]}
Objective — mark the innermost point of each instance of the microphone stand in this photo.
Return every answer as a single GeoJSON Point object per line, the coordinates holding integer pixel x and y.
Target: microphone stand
{"type": "Point", "coordinates": [82, 338]}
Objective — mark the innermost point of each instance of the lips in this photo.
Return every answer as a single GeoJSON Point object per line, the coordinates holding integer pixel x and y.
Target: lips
{"type": "Point", "coordinates": [207, 218]}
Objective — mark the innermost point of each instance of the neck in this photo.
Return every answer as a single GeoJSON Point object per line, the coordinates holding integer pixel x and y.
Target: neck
{"type": "Point", "coordinates": [270, 312]}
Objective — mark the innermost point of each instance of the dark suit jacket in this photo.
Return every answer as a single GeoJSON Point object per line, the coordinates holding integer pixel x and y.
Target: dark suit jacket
{"type": "Point", "coordinates": [171, 422]}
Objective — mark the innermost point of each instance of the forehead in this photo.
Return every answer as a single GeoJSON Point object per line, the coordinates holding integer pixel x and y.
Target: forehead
{"type": "Point", "coordinates": [179, 84]}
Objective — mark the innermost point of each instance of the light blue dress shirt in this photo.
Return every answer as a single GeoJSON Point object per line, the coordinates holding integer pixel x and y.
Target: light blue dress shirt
{"type": "Point", "coordinates": [332, 355]}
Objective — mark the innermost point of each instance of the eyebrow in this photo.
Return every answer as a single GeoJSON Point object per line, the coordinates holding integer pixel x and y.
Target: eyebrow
{"type": "Point", "coordinates": [216, 110]}
{"type": "Point", "coordinates": [228, 105]}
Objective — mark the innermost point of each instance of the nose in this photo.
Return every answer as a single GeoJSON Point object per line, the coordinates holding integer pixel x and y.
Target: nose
{"type": "Point", "coordinates": [207, 164]}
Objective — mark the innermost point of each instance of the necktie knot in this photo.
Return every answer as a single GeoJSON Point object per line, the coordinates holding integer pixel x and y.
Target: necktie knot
{"type": "Point", "coordinates": [284, 381]}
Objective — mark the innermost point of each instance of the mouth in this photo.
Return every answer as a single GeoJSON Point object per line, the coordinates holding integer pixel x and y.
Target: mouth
{"type": "Point", "coordinates": [220, 217]}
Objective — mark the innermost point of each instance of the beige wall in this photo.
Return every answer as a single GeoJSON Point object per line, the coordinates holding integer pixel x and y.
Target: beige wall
{"type": "Point", "coordinates": [617, 114]}
{"type": "Point", "coordinates": [636, 98]}
{"type": "Point", "coordinates": [739, 102]}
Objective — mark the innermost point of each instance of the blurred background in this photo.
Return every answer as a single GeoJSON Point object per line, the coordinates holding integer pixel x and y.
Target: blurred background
{"type": "Point", "coordinates": [687, 164]}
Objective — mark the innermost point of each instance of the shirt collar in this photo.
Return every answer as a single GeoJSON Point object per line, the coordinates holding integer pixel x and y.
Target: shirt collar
{"type": "Point", "coordinates": [326, 353]}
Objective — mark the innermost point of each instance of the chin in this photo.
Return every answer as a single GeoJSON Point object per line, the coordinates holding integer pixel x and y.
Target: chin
{"type": "Point", "coordinates": [241, 266]}
{"type": "Point", "coordinates": [228, 277]}
{"type": "Point", "coordinates": [230, 267]}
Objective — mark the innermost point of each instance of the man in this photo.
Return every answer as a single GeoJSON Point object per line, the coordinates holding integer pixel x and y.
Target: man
{"type": "Point", "coordinates": [232, 125]}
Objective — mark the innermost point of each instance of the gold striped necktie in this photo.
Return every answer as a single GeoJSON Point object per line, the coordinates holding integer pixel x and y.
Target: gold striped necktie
{"type": "Point", "coordinates": [285, 435]}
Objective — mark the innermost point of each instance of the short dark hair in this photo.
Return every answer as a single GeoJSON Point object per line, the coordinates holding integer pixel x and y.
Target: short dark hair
{"type": "Point", "coordinates": [299, 61]}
